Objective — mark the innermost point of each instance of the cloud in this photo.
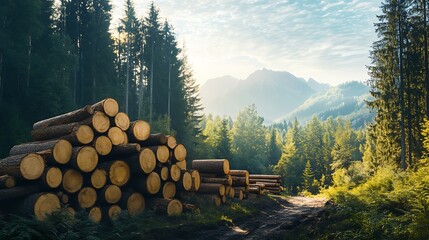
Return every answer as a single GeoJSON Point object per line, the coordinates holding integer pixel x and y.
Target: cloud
{"type": "Point", "coordinates": [327, 40]}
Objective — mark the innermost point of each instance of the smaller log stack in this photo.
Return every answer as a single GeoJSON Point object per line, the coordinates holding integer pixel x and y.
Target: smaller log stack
{"type": "Point", "coordinates": [265, 183]}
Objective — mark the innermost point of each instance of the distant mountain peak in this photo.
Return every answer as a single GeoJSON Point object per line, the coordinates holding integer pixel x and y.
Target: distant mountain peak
{"type": "Point", "coordinates": [318, 87]}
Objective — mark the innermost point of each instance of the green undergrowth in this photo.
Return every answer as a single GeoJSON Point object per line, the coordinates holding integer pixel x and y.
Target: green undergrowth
{"type": "Point", "coordinates": [148, 225]}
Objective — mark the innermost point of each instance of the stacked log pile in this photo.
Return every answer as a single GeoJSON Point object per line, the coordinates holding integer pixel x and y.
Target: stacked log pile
{"type": "Point", "coordinates": [96, 159]}
{"type": "Point", "coordinates": [265, 183]}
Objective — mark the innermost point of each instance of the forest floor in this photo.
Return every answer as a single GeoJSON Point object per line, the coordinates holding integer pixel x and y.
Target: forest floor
{"type": "Point", "coordinates": [279, 219]}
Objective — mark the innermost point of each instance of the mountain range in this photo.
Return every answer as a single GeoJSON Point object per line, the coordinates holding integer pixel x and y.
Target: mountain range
{"type": "Point", "coordinates": [281, 96]}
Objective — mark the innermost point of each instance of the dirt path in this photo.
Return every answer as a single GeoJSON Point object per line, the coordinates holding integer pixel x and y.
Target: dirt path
{"type": "Point", "coordinates": [273, 222]}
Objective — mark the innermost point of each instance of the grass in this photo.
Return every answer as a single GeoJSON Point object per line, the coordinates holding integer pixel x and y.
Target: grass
{"type": "Point", "coordinates": [148, 225]}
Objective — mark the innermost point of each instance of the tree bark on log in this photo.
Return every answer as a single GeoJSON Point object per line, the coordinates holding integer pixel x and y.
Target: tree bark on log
{"type": "Point", "coordinates": [261, 176]}
{"type": "Point", "coordinates": [154, 140]}
{"type": "Point", "coordinates": [223, 181]}
{"type": "Point", "coordinates": [125, 149]}
{"type": "Point", "coordinates": [109, 106]}
{"type": "Point", "coordinates": [263, 180]}
{"type": "Point", "coordinates": [61, 149]}
{"type": "Point", "coordinates": [149, 184]}
{"type": "Point", "coordinates": [239, 173]}
{"type": "Point", "coordinates": [75, 116]}
{"type": "Point", "coordinates": [27, 166]}
{"type": "Point", "coordinates": [72, 132]}
{"type": "Point", "coordinates": [170, 207]}
{"type": "Point", "coordinates": [18, 191]}
{"type": "Point", "coordinates": [216, 166]}
{"type": "Point", "coordinates": [212, 188]}
{"type": "Point", "coordinates": [240, 181]}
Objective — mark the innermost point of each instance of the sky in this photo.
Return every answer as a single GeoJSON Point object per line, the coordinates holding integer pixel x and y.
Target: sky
{"type": "Point", "coordinates": [322, 39]}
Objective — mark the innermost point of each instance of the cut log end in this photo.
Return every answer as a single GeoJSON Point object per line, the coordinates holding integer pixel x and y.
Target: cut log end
{"type": "Point", "coordinates": [180, 152]}
{"type": "Point", "coordinates": [122, 121]}
{"type": "Point", "coordinates": [114, 212]}
{"type": "Point", "coordinates": [103, 145]}
{"type": "Point", "coordinates": [62, 151]}
{"type": "Point", "coordinates": [32, 166]}
{"type": "Point", "coordinates": [87, 159]}
{"type": "Point", "coordinates": [46, 204]}
{"type": "Point", "coordinates": [162, 154]}
{"type": "Point", "coordinates": [84, 134]}
{"type": "Point", "coordinates": [164, 173]}
{"type": "Point", "coordinates": [110, 106]}
{"type": "Point", "coordinates": [112, 194]}
{"type": "Point", "coordinates": [196, 180]}
{"type": "Point", "coordinates": [174, 208]}
{"type": "Point", "coordinates": [182, 165]}
{"type": "Point", "coordinates": [153, 183]}
{"type": "Point", "coordinates": [72, 181]}
{"type": "Point", "coordinates": [116, 135]}
{"type": "Point", "coordinates": [98, 178]}
{"type": "Point", "coordinates": [187, 181]}
{"type": "Point", "coordinates": [135, 204]}
{"type": "Point", "coordinates": [53, 177]}
{"type": "Point", "coordinates": [147, 160]}
{"type": "Point", "coordinates": [169, 190]}
{"type": "Point", "coordinates": [95, 214]}
{"type": "Point", "coordinates": [175, 172]}
{"type": "Point", "coordinates": [171, 142]}
{"type": "Point", "coordinates": [141, 130]}
{"type": "Point", "coordinates": [119, 173]}
{"type": "Point", "coordinates": [87, 197]}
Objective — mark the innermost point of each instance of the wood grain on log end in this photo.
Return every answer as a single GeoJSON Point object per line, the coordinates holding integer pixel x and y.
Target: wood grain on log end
{"type": "Point", "coordinates": [87, 197]}
{"type": "Point", "coordinates": [175, 172]}
{"type": "Point", "coordinates": [72, 180]}
{"type": "Point", "coordinates": [122, 121]}
{"type": "Point", "coordinates": [147, 160]}
{"type": "Point", "coordinates": [119, 173]}
{"type": "Point", "coordinates": [164, 173]}
{"type": "Point", "coordinates": [32, 166]}
{"type": "Point", "coordinates": [103, 145]}
{"type": "Point", "coordinates": [180, 152]}
{"type": "Point", "coordinates": [112, 194]}
{"type": "Point", "coordinates": [116, 135]}
{"type": "Point", "coordinates": [168, 190]}
{"type": "Point", "coordinates": [98, 178]}
{"type": "Point", "coordinates": [87, 159]}
{"type": "Point", "coordinates": [95, 215]}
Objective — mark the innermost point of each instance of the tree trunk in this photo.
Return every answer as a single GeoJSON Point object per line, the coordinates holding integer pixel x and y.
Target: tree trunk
{"type": "Point", "coordinates": [109, 194]}
{"type": "Point", "coordinates": [239, 173]}
{"type": "Point", "coordinates": [61, 150]}
{"type": "Point", "coordinates": [132, 201]}
{"type": "Point", "coordinates": [73, 132]}
{"type": "Point", "coordinates": [116, 135]}
{"type": "Point", "coordinates": [86, 198]}
{"type": "Point", "coordinates": [122, 121]}
{"type": "Point", "coordinates": [51, 178]}
{"type": "Point", "coordinates": [84, 158]}
{"type": "Point", "coordinates": [216, 166]}
{"type": "Point", "coordinates": [138, 131]}
{"type": "Point", "coordinates": [28, 166]}
{"type": "Point", "coordinates": [72, 180]}
{"type": "Point", "coordinates": [40, 204]}
{"type": "Point", "coordinates": [212, 188]}
{"type": "Point", "coordinates": [175, 173]}
{"type": "Point", "coordinates": [223, 181]}
{"type": "Point", "coordinates": [170, 207]}
{"type": "Point", "coordinates": [148, 184]}
{"type": "Point", "coordinates": [260, 176]}
{"type": "Point", "coordinates": [162, 153]}
{"type": "Point", "coordinates": [18, 191]}
{"type": "Point", "coordinates": [98, 178]}
{"type": "Point", "coordinates": [71, 117]}
{"type": "Point", "coordinates": [171, 142]}
{"type": "Point", "coordinates": [185, 181]}
{"type": "Point", "coordinates": [7, 181]}
{"type": "Point", "coordinates": [154, 140]}
{"type": "Point", "coordinates": [99, 121]}
{"type": "Point", "coordinates": [118, 172]}
{"type": "Point", "coordinates": [240, 181]}
{"type": "Point", "coordinates": [168, 190]}
{"type": "Point", "coordinates": [126, 149]}
{"type": "Point", "coordinates": [180, 152]}
{"type": "Point", "coordinates": [109, 106]}
{"type": "Point", "coordinates": [102, 145]}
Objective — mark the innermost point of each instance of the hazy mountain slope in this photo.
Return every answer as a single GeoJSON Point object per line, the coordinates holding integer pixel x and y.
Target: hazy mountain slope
{"type": "Point", "coordinates": [346, 100]}
{"type": "Point", "coordinates": [274, 93]}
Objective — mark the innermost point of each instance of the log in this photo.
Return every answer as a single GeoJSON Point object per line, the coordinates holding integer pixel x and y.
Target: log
{"type": "Point", "coordinates": [164, 173]}
{"type": "Point", "coordinates": [269, 184]}
{"type": "Point", "coordinates": [28, 166]}
{"type": "Point", "coordinates": [261, 176]}
{"type": "Point", "coordinates": [98, 178]}
{"type": "Point", "coordinates": [75, 116]}
{"type": "Point", "coordinates": [118, 172]}
{"type": "Point", "coordinates": [86, 197]}
{"type": "Point", "coordinates": [73, 132]}
{"type": "Point", "coordinates": [103, 145]}
{"type": "Point", "coordinates": [212, 188]}
{"type": "Point", "coordinates": [196, 180]}
{"type": "Point", "coordinates": [138, 131]}
{"type": "Point", "coordinates": [263, 180]}
{"type": "Point", "coordinates": [61, 150]}
{"type": "Point", "coordinates": [145, 162]}
{"type": "Point", "coordinates": [109, 106]}
{"type": "Point", "coordinates": [111, 213]}
{"type": "Point", "coordinates": [185, 181]}
{"type": "Point", "coordinates": [64, 198]}
{"type": "Point", "coordinates": [179, 152]}
{"type": "Point", "coordinates": [7, 181]}
{"type": "Point", "coordinates": [171, 142]}
{"type": "Point", "coordinates": [122, 121]}
{"type": "Point", "coordinates": [154, 140]}
{"type": "Point", "coordinates": [216, 166]}
{"type": "Point", "coordinates": [239, 173]}
{"type": "Point", "coordinates": [170, 207]}
{"type": "Point", "coordinates": [238, 194]}
{"type": "Point", "coordinates": [99, 121]}
{"type": "Point", "coordinates": [168, 190]}
{"type": "Point", "coordinates": [149, 184]}
{"type": "Point", "coordinates": [181, 165]}
{"type": "Point", "coordinates": [162, 153]}
{"type": "Point", "coordinates": [240, 181]}
{"type": "Point", "coordinates": [231, 192]}
{"type": "Point", "coordinates": [109, 194]}
{"type": "Point", "coordinates": [255, 190]}
{"type": "Point", "coordinates": [116, 135]}
{"type": "Point", "coordinates": [126, 140]}
{"type": "Point", "coordinates": [72, 180]}
{"type": "Point", "coordinates": [51, 178]}
{"type": "Point", "coordinates": [18, 191]}
{"type": "Point", "coordinates": [84, 158]}
{"type": "Point", "coordinates": [223, 180]}
{"type": "Point", "coordinates": [132, 201]}
{"type": "Point", "coordinates": [125, 149]}
{"type": "Point", "coordinates": [41, 205]}
{"type": "Point", "coordinates": [94, 214]}
{"type": "Point", "coordinates": [175, 173]}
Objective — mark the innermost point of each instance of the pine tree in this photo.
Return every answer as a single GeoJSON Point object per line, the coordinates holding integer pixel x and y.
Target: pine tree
{"type": "Point", "coordinates": [223, 145]}
{"type": "Point", "coordinates": [308, 176]}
